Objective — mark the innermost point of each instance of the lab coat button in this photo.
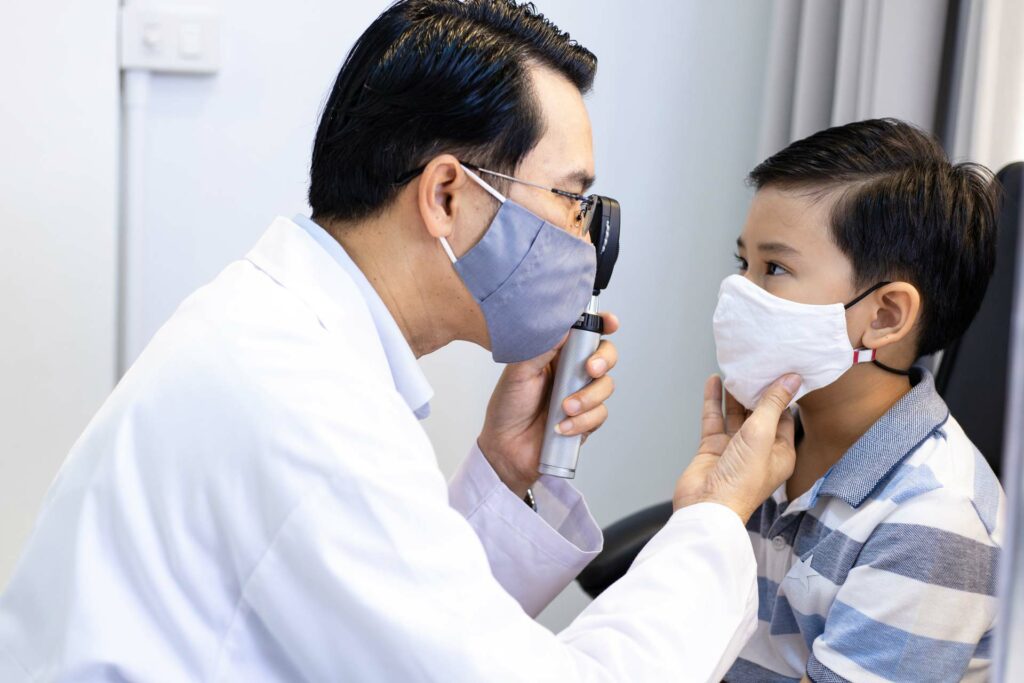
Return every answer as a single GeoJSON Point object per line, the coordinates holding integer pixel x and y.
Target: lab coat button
{"type": "Point", "coordinates": [778, 543]}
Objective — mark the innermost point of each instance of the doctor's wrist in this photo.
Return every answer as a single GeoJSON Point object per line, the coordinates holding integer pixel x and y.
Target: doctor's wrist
{"type": "Point", "coordinates": [509, 472]}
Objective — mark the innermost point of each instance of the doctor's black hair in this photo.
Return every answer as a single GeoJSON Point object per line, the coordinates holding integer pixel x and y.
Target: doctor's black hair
{"type": "Point", "coordinates": [902, 212]}
{"type": "Point", "coordinates": [429, 77]}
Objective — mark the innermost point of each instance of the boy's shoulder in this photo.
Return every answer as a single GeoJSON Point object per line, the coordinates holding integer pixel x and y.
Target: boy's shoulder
{"type": "Point", "coordinates": [917, 466]}
{"type": "Point", "coordinates": [946, 484]}
{"type": "Point", "coordinates": [892, 558]}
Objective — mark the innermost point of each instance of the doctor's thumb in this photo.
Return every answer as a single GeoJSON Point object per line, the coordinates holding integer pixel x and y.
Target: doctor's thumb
{"type": "Point", "coordinates": [776, 399]}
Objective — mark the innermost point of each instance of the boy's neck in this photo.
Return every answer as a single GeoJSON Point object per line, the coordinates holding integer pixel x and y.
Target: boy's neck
{"type": "Point", "coordinates": [835, 417]}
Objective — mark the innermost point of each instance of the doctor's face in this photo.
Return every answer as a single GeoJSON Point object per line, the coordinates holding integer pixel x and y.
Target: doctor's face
{"type": "Point", "coordinates": [564, 156]}
{"type": "Point", "coordinates": [452, 206]}
{"type": "Point", "coordinates": [563, 159]}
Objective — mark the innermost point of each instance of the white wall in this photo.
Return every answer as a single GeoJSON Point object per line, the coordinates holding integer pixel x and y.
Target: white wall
{"type": "Point", "coordinates": [58, 242]}
{"type": "Point", "coordinates": [675, 111]}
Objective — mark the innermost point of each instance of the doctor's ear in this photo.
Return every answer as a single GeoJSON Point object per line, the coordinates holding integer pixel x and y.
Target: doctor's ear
{"type": "Point", "coordinates": [895, 310]}
{"type": "Point", "coordinates": [438, 196]}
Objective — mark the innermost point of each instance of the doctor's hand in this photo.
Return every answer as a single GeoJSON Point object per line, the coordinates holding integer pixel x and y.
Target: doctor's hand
{"type": "Point", "coordinates": [517, 413]}
{"type": "Point", "coordinates": [744, 456]}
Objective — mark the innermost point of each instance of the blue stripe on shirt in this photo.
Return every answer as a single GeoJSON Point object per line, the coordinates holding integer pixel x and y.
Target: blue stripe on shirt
{"type": "Point", "coordinates": [788, 621]}
{"type": "Point", "coordinates": [744, 670]}
{"type": "Point", "coordinates": [986, 492]}
{"type": "Point", "coordinates": [908, 482]}
{"type": "Point", "coordinates": [835, 555]}
{"type": "Point", "coordinates": [891, 652]}
{"type": "Point", "coordinates": [766, 592]}
{"type": "Point", "coordinates": [931, 555]}
{"type": "Point", "coordinates": [984, 649]}
{"type": "Point", "coordinates": [812, 530]}
{"type": "Point", "coordinates": [819, 673]}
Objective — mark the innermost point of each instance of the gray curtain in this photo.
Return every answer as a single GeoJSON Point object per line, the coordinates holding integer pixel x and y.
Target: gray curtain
{"type": "Point", "coordinates": [953, 67]}
{"type": "Point", "coordinates": [835, 61]}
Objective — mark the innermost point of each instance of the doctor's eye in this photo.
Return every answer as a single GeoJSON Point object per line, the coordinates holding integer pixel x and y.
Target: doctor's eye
{"type": "Point", "coordinates": [741, 263]}
{"type": "Point", "coordinates": [580, 215]}
{"type": "Point", "coordinates": [776, 269]}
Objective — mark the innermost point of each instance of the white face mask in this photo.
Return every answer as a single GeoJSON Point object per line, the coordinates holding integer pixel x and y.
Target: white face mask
{"type": "Point", "coordinates": [760, 337]}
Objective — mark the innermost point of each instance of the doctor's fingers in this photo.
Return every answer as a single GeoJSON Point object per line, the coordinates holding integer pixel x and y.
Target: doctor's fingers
{"type": "Point", "coordinates": [735, 414]}
{"type": "Point", "coordinates": [590, 396]}
{"type": "Point", "coordinates": [769, 416]}
{"type": "Point", "coordinates": [584, 423]}
{"type": "Point", "coordinates": [603, 360]}
{"type": "Point", "coordinates": [711, 422]}
{"type": "Point", "coordinates": [786, 432]}
{"type": "Point", "coordinates": [611, 322]}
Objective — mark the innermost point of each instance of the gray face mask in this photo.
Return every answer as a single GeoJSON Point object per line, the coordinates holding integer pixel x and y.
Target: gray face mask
{"type": "Point", "coordinates": [531, 278]}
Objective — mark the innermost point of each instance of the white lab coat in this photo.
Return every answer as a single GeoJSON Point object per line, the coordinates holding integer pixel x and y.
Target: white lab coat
{"type": "Point", "coordinates": [256, 502]}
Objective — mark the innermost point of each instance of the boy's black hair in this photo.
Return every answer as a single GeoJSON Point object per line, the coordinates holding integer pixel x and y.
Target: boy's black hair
{"type": "Point", "coordinates": [903, 212]}
{"type": "Point", "coordinates": [434, 76]}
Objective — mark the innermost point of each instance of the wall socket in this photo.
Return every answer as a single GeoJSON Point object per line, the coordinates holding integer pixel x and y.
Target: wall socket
{"type": "Point", "coordinates": [170, 39]}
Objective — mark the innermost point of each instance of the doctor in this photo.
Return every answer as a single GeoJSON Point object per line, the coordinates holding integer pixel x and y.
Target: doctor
{"type": "Point", "coordinates": [256, 501]}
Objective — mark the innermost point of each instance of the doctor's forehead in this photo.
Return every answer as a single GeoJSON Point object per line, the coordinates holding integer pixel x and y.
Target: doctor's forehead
{"type": "Point", "coordinates": [564, 154]}
{"type": "Point", "coordinates": [797, 219]}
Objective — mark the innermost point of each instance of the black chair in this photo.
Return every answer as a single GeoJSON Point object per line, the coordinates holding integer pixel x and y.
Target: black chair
{"type": "Point", "coordinates": [972, 378]}
{"type": "Point", "coordinates": [973, 375]}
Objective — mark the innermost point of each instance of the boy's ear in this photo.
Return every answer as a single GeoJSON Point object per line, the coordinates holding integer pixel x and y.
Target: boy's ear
{"type": "Point", "coordinates": [896, 308]}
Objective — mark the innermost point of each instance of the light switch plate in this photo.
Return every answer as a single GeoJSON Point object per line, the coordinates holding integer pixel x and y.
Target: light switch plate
{"type": "Point", "coordinates": [170, 39]}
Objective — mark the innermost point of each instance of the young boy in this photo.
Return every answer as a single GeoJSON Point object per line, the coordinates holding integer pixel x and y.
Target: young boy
{"type": "Point", "coordinates": [876, 560]}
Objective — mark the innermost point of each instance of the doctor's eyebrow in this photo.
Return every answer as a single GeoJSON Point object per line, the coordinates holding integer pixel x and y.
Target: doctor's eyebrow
{"type": "Point", "coordinates": [777, 248]}
{"type": "Point", "coordinates": [579, 178]}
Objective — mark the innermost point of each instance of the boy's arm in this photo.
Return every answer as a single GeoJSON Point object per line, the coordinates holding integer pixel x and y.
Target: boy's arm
{"type": "Point", "coordinates": [918, 603]}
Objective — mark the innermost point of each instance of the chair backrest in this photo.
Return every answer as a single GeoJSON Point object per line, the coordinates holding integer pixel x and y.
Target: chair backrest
{"type": "Point", "coordinates": [973, 373]}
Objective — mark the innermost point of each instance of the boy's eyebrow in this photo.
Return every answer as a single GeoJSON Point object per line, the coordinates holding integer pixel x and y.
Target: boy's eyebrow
{"type": "Point", "coordinates": [771, 248]}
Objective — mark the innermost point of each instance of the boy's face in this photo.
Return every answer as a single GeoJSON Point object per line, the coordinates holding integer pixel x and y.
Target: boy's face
{"type": "Point", "coordinates": [786, 249]}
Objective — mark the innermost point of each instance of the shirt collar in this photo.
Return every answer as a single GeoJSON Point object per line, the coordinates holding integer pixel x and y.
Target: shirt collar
{"type": "Point", "coordinates": [409, 379]}
{"type": "Point", "coordinates": [914, 418]}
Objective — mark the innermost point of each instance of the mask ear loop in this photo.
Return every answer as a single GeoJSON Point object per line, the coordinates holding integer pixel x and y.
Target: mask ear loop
{"type": "Point", "coordinates": [448, 249]}
{"type": "Point", "coordinates": [490, 190]}
{"type": "Point", "coordinates": [868, 355]}
{"type": "Point", "coordinates": [860, 298]}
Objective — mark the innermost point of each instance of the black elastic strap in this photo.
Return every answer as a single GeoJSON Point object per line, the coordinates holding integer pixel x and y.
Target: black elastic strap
{"type": "Point", "coordinates": [870, 289]}
{"type": "Point", "coordinates": [409, 175]}
{"type": "Point", "coordinates": [904, 373]}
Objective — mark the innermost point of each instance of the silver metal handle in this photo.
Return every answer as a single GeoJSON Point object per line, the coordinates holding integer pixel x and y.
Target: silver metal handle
{"type": "Point", "coordinates": [559, 454]}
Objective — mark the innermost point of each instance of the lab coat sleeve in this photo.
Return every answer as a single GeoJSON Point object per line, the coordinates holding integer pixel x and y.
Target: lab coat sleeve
{"type": "Point", "coordinates": [373, 576]}
{"type": "Point", "coordinates": [533, 555]}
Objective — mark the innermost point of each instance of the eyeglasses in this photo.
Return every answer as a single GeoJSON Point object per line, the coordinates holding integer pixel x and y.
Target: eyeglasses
{"type": "Point", "coordinates": [579, 215]}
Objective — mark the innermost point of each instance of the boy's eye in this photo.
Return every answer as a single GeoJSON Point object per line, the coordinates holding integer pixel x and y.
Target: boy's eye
{"type": "Point", "coordinates": [776, 269]}
{"type": "Point", "coordinates": [741, 262]}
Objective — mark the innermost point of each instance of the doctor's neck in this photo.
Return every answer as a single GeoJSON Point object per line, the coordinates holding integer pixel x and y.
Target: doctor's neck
{"type": "Point", "coordinates": [413, 278]}
{"type": "Point", "coordinates": [835, 417]}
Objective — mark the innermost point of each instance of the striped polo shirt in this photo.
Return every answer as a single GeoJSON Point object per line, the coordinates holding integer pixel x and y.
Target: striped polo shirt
{"type": "Point", "coordinates": [885, 570]}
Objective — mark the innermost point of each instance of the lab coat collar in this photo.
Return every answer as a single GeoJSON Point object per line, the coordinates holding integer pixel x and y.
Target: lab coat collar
{"type": "Point", "coordinates": [409, 379]}
{"type": "Point", "coordinates": [410, 382]}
